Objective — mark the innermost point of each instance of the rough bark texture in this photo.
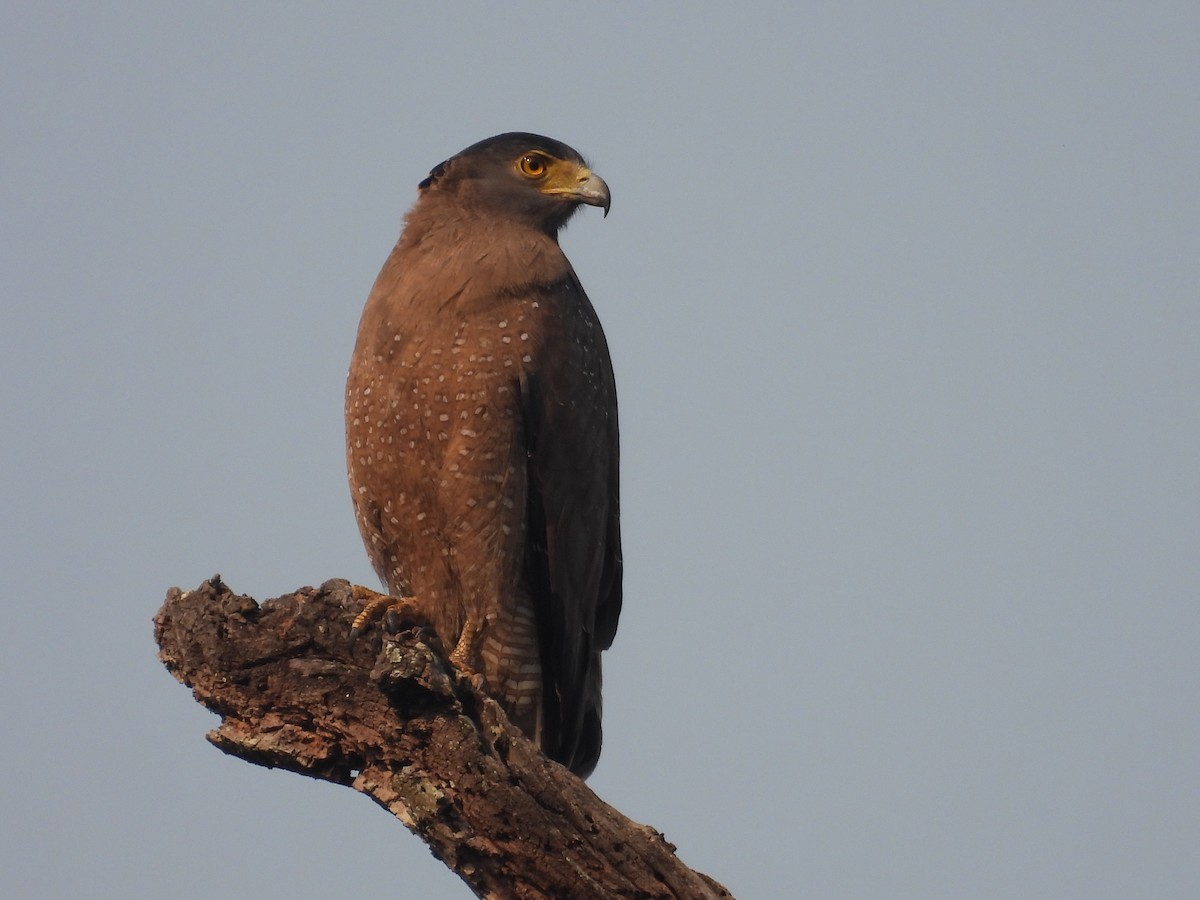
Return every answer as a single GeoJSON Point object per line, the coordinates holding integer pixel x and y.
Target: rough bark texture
{"type": "Point", "coordinates": [390, 717]}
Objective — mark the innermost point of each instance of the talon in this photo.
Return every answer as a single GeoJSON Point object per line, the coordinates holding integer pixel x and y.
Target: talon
{"type": "Point", "coordinates": [476, 681]}
{"type": "Point", "coordinates": [392, 610]}
{"type": "Point", "coordinates": [393, 620]}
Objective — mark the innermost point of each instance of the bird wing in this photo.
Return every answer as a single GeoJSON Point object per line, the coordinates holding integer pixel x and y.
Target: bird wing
{"type": "Point", "coordinates": [573, 558]}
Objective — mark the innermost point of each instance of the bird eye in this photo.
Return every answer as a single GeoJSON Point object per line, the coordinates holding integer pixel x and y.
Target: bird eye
{"type": "Point", "coordinates": [533, 165]}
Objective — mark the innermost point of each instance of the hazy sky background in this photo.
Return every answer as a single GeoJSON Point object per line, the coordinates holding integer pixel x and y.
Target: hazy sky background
{"type": "Point", "coordinates": [905, 313]}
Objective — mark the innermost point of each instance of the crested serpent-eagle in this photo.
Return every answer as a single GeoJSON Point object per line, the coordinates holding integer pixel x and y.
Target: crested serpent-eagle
{"type": "Point", "coordinates": [481, 436]}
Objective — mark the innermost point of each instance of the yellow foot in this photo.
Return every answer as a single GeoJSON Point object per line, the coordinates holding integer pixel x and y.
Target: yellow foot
{"type": "Point", "coordinates": [395, 611]}
{"type": "Point", "coordinates": [463, 654]}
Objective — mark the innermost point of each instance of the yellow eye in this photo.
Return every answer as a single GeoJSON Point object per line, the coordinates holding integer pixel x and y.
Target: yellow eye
{"type": "Point", "coordinates": [533, 165]}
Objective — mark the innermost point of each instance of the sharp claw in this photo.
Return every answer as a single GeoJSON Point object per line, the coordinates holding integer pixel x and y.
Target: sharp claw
{"type": "Point", "coordinates": [391, 610]}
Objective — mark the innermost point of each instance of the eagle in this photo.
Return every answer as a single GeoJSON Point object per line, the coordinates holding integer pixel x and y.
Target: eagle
{"type": "Point", "coordinates": [481, 436]}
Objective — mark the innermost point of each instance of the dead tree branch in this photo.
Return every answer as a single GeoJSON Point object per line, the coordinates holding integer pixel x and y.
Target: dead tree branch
{"type": "Point", "coordinates": [390, 717]}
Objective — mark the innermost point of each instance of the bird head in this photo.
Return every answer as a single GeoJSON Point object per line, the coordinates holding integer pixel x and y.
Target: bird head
{"type": "Point", "coordinates": [535, 179]}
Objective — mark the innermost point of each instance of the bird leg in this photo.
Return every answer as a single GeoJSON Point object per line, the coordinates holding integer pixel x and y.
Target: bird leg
{"type": "Point", "coordinates": [463, 654]}
{"type": "Point", "coordinates": [394, 611]}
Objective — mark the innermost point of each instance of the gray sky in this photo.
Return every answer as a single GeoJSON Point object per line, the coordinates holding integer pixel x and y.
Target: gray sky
{"type": "Point", "coordinates": [905, 313]}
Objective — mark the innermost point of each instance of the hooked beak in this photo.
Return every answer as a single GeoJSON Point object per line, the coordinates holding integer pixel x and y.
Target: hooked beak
{"type": "Point", "coordinates": [585, 187]}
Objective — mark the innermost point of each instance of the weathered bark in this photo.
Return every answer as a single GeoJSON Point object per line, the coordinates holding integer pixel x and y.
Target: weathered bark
{"type": "Point", "coordinates": [390, 717]}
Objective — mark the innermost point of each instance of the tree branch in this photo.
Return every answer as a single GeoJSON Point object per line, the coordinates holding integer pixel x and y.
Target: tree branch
{"type": "Point", "coordinates": [390, 717]}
